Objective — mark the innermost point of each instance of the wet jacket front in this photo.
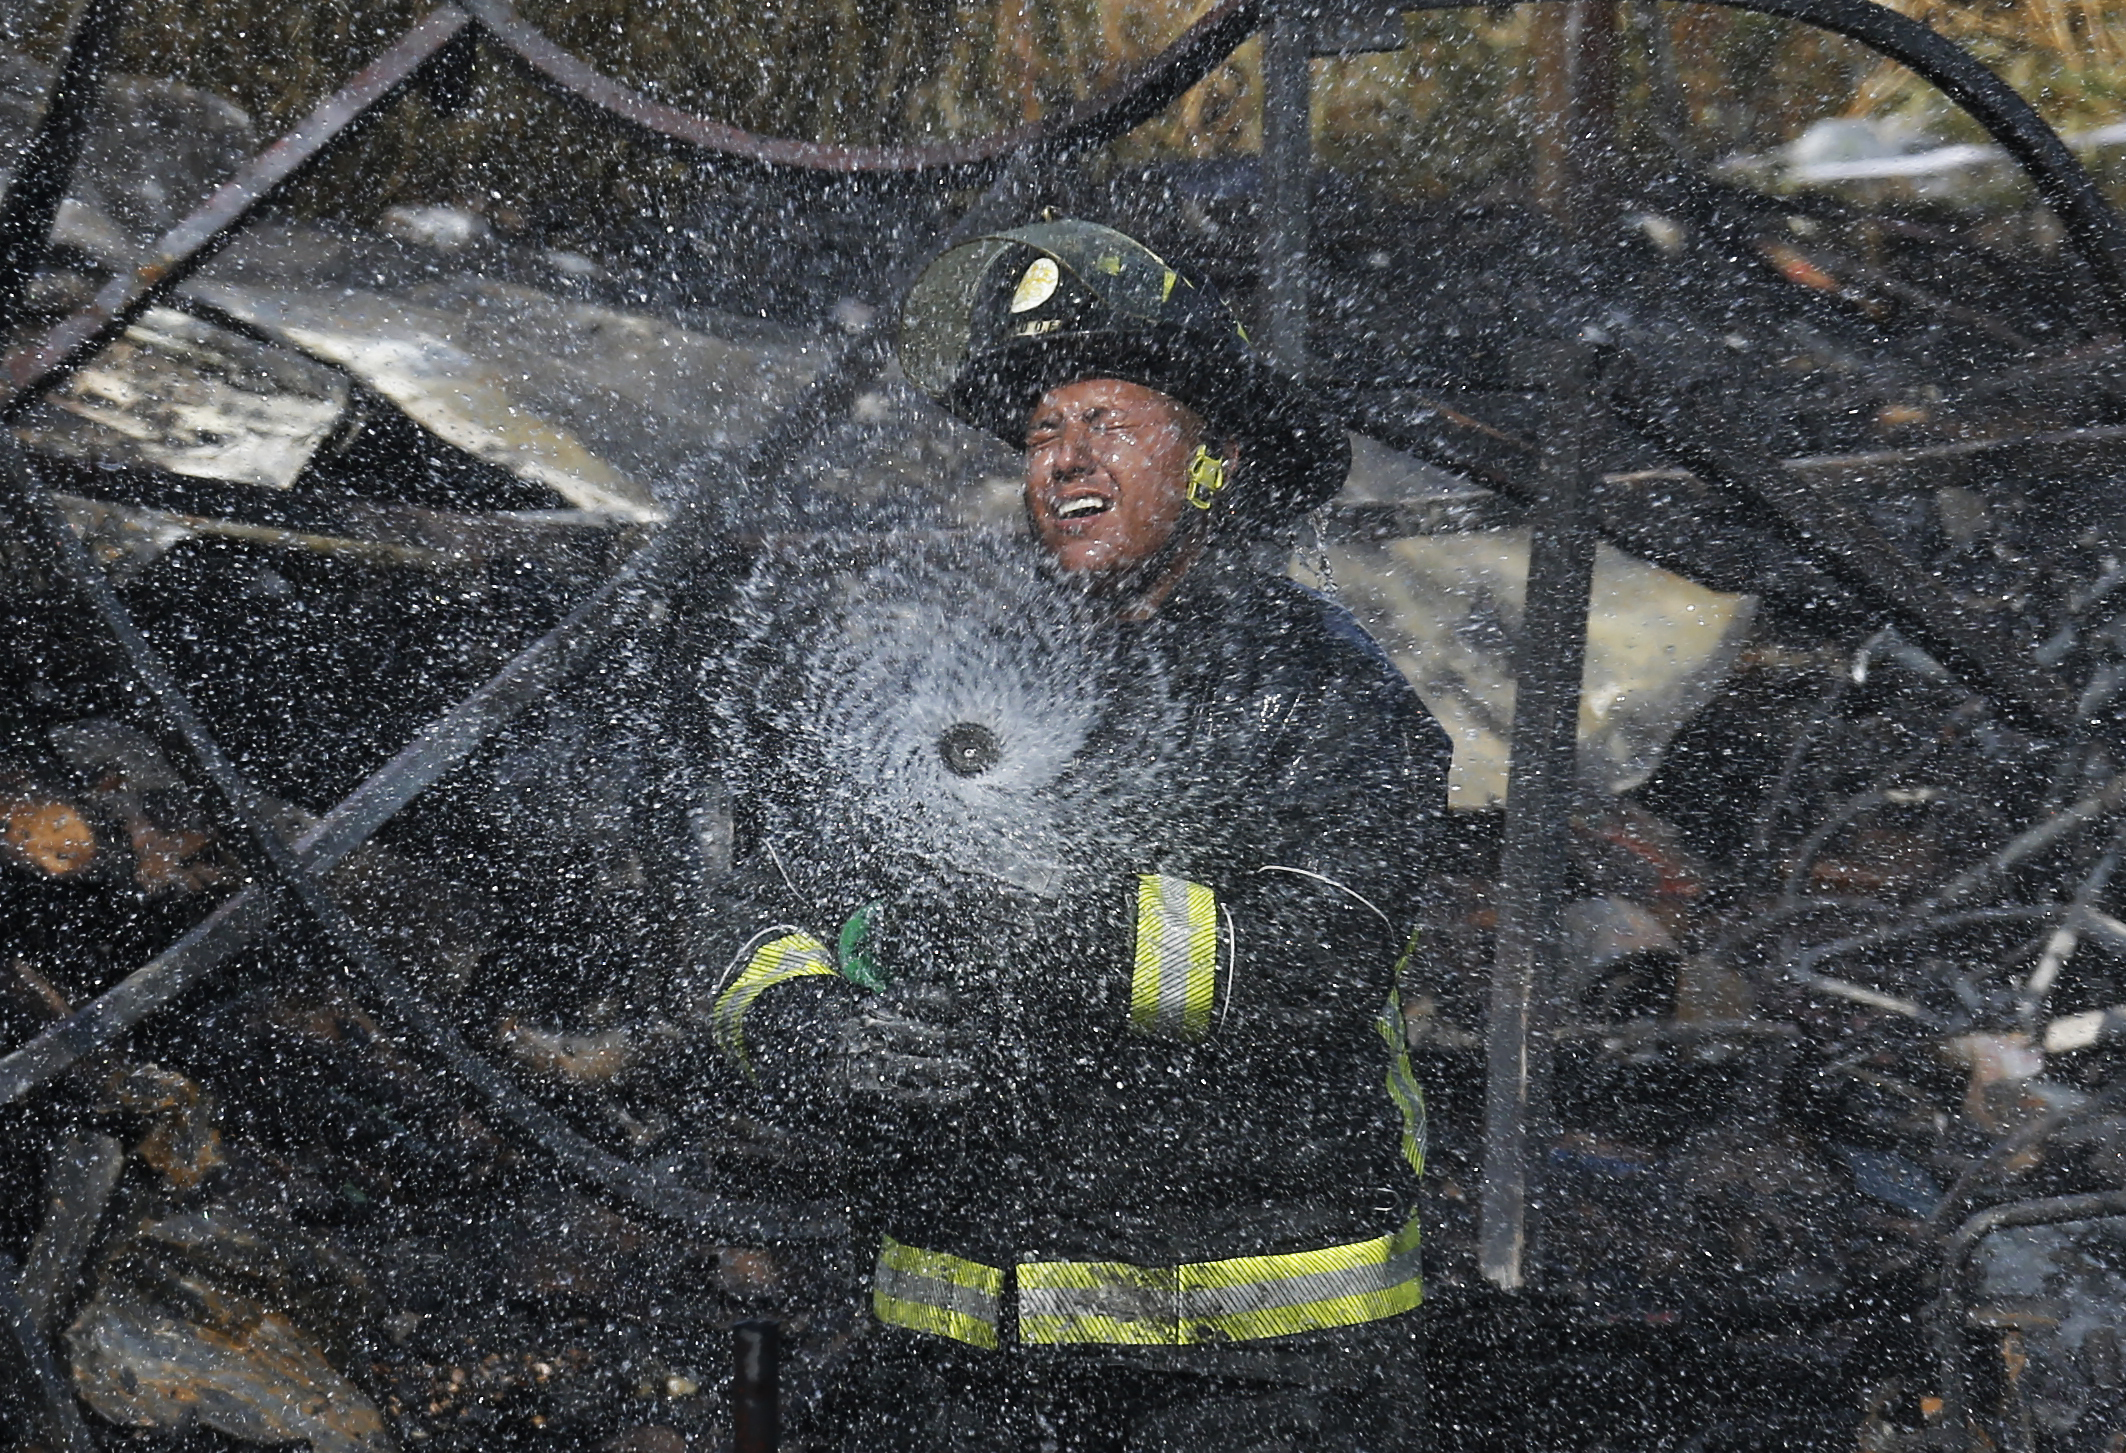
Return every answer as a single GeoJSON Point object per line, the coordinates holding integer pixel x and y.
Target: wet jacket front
{"type": "Point", "coordinates": [1176, 1110]}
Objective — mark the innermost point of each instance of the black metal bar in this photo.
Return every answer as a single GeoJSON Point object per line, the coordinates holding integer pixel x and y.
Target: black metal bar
{"type": "Point", "coordinates": [230, 800]}
{"type": "Point", "coordinates": [38, 1377]}
{"type": "Point", "coordinates": [46, 162]}
{"type": "Point", "coordinates": [756, 1394]}
{"type": "Point", "coordinates": [1138, 98]}
{"type": "Point", "coordinates": [434, 752]}
{"type": "Point", "coordinates": [1548, 660]}
{"type": "Point", "coordinates": [1576, 88]}
{"type": "Point", "coordinates": [1287, 181]}
{"type": "Point", "coordinates": [1955, 1274]}
{"type": "Point", "coordinates": [1844, 542]}
{"type": "Point", "coordinates": [2093, 225]}
{"type": "Point", "coordinates": [30, 370]}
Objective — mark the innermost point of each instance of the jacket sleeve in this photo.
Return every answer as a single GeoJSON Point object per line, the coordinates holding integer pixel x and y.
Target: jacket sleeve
{"type": "Point", "coordinates": [1324, 903]}
{"type": "Point", "coordinates": [1224, 1006]}
{"type": "Point", "coordinates": [767, 989]}
{"type": "Point", "coordinates": [1287, 893]}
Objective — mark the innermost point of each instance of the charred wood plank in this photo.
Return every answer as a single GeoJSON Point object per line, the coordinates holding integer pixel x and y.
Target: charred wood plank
{"type": "Point", "coordinates": [2052, 454]}
{"type": "Point", "coordinates": [1669, 517]}
{"type": "Point", "coordinates": [1450, 515]}
{"type": "Point", "coordinates": [373, 552]}
{"type": "Point", "coordinates": [1441, 432]}
{"type": "Point", "coordinates": [84, 1171]}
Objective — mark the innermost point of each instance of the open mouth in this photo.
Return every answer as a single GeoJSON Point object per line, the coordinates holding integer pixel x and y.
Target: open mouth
{"type": "Point", "coordinates": [1083, 506]}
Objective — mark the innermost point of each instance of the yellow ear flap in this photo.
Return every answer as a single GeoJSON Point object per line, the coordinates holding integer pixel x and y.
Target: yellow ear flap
{"type": "Point", "coordinates": [1206, 476]}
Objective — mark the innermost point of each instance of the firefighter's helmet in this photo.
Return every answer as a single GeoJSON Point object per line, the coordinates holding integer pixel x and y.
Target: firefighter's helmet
{"type": "Point", "coordinates": [994, 323]}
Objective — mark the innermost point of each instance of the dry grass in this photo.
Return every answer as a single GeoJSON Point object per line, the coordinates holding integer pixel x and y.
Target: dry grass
{"type": "Point", "coordinates": [2067, 56]}
{"type": "Point", "coordinates": [1445, 114]}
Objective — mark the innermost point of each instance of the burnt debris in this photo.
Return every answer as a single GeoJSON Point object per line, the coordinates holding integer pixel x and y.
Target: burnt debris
{"type": "Point", "coordinates": [351, 830]}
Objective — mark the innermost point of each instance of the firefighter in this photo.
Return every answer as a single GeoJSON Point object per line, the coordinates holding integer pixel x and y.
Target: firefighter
{"type": "Point", "coordinates": [1148, 1179]}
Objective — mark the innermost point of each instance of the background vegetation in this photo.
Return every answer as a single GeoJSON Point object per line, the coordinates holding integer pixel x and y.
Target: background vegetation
{"type": "Point", "coordinates": [1448, 113]}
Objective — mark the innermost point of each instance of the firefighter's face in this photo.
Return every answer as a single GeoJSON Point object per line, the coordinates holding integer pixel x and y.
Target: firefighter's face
{"type": "Point", "coordinates": [1107, 472]}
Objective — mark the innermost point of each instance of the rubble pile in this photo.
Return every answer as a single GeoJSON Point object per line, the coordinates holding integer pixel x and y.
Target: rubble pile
{"type": "Point", "coordinates": [1842, 967]}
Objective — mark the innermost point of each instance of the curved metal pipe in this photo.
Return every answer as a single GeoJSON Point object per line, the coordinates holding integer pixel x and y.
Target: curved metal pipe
{"type": "Point", "coordinates": [1200, 48]}
{"type": "Point", "coordinates": [1955, 1269]}
{"type": "Point", "coordinates": [2092, 224]}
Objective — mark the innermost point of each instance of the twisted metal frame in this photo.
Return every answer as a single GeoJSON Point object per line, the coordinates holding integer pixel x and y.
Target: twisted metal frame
{"type": "Point", "coordinates": [1010, 161]}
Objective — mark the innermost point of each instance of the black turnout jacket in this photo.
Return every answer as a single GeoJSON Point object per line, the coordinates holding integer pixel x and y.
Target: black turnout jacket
{"type": "Point", "coordinates": [1304, 776]}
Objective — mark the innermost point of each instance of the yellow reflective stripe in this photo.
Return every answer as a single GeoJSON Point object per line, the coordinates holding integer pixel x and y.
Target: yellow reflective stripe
{"type": "Point", "coordinates": [1238, 1299]}
{"type": "Point", "coordinates": [1117, 1304]}
{"type": "Point", "coordinates": [936, 1292]}
{"type": "Point", "coordinates": [1404, 1090]}
{"type": "Point", "coordinates": [793, 956]}
{"type": "Point", "coordinates": [1409, 1097]}
{"type": "Point", "coordinates": [1254, 1271]}
{"type": "Point", "coordinates": [1175, 979]}
{"type": "Point", "coordinates": [1304, 1291]}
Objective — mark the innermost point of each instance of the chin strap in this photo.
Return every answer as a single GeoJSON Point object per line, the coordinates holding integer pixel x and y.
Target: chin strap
{"type": "Point", "coordinates": [1206, 476]}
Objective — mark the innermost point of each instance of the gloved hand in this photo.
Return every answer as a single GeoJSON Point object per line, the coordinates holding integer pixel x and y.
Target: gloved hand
{"type": "Point", "coordinates": [906, 1045]}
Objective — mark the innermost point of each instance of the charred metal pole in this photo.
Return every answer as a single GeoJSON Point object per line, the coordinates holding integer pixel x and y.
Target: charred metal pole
{"type": "Point", "coordinates": [1576, 91]}
{"type": "Point", "coordinates": [1287, 167]}
{"type": "Point", "coordinates": [46, 162]}
{"type": "Point", "coordinates": [1548, 661]}
{"type": "Point", "coordinates": [46, 361]}
{"type": "Point", "coordinates": [756, 1394]}
{"type": "Point", "coordinates": [1294, 32]}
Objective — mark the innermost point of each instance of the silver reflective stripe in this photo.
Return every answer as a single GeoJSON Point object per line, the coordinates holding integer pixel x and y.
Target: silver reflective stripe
{"type": "Point", "coordinates": [793, 956]}
{"type": "Point", "coordinates": [1153, 1300]}
{"type": "Point", "coordinates": [933, 1291]}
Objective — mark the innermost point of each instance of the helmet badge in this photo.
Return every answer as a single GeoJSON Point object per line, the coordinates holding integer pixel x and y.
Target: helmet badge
{"type": "Point", "coordinates": [1037, 285]}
